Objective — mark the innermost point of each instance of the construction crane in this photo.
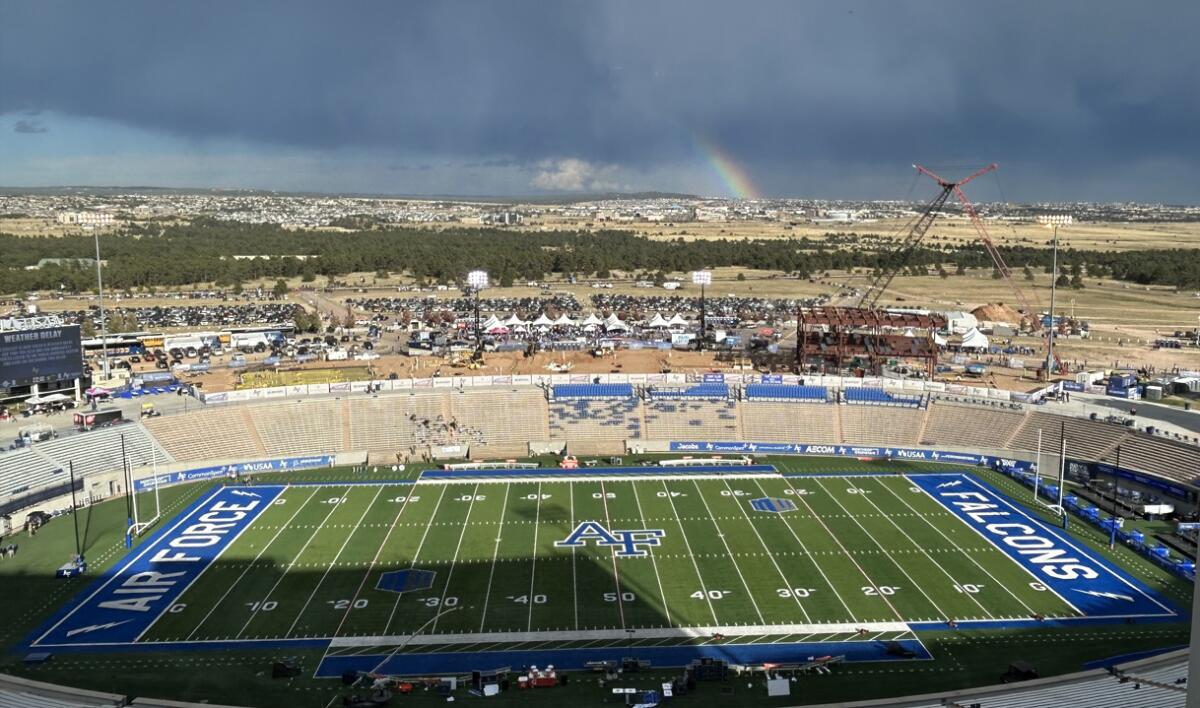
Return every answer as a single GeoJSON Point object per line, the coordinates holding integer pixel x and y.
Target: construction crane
{"type": "Point", "coordinates": [884, 276]}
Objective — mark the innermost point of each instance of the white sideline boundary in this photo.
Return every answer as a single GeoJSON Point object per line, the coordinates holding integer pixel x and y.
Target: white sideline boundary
{"type": "Point", "coordinates": [466, 479]}
{"type": "Point", "coordinates": [641, 633]}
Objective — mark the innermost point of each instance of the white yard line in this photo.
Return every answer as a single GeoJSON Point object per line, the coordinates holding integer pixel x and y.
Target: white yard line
{"type": "Point", "coordinates": [258, 605]}
{"type": "Point", "coordinates": [691, 556]}
{"type": "Point", "coordinates": [495, 554]}
{"type": "Point", "coordinates": [417, 554]}
{"type": "Point", "coordinates": [234, 584]}
{"type": "Point", "coordinates": [661, 592]}
{"type": "Point", "coordinates": [616, 573]}
{"type": "Point", "coordinates": [885, 552]}
{"type": "Point", "coordinates": [729, 552]}
{"type": "Point", "coordinates": [954, 581]}
{"type": "Point", "coordinates": [946, 536]}
{"type": "Point", "coordinates": [845, 552]}
{"type": "Point", "coordinates": [537, 518]}
{"type": "Point", "coordinates": [810, 556]}
{"type": "Point", "coordinates": [408, 494]}
{"type": "Point", "coordinates": [574, 574]}
{"type": "Point", "coordinates": [786, 583]}
{"type": "Point", "coordinates": [333, 562]}
{"type": "Point", "coordinates": [454, 561]}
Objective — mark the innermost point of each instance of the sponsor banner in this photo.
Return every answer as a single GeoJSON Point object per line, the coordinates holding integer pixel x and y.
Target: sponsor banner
{"type": "Point", "coordinates": [402, 384]}
{"type": "Point", "coordinates": [422, 383]}
{"type": "Point", "coordinates": [1005, 463]}
{"type": "Point", "coordinates": [316, 389]}
{"type": "Point", "coordinates": [1056, 562]}
{"type": "Point", "coordinates": [713, 378]}
{"type": "Point", "coordinates": [125, 603]}
{"type": "Point", "coordinates": [221, 397]}
{"type": "Point", "coordinates": [1073, 386]}
{"type": "Point", "coordinates": [897, 453]}
{"type": "Point", "coordinates": [618, 378]}
{"type": "Point", "coordinates": [297, 390]}
{"type": "Point", "coordinates": [772, 378]}
{"type": "Point", "coordinates": [522, 380]}
{"type": "Point", "coordinates": [279, 464]}
{"type": "Point", "coordinates": [360, 386]}
{"type": "Point", "coordinates": [443, 383]}
{"type": "Point", "coordinates": [275, 392]}
{"type": "Point", "coordinates": [343, 387]}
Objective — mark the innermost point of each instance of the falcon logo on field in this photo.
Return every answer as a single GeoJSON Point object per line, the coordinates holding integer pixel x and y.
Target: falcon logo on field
{"type": "Point", "coordinates": [629, 544]}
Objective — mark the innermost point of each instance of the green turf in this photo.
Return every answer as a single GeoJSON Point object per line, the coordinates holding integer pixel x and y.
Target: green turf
{"type": "Point", "coordinates": [819, 548]}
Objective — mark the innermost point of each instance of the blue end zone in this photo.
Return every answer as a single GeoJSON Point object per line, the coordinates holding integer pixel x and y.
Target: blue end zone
{"type": "Point", "coordinates": [572, 659]}
{"type": "Point", "coordinates": [772, 504]}
{"type": "Point", "coordinates": [1083, 579]}
{"type": "Point", "coordinates": [121, 605]}
{"type": "Point", "coordinates": [402, 581]}
{"type": "Point", "coordinates": [597, 471]}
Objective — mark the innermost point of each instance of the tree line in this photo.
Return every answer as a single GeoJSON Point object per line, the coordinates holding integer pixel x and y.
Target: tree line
{"type": "Point", "coordinates": [208, 251]}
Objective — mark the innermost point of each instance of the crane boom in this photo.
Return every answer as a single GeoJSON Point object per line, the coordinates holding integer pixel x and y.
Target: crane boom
{"type": "Point", "coordinates": [884, 275]}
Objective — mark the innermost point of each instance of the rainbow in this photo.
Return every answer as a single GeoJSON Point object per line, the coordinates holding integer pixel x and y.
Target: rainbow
{"type": "Point", "coordinates": [737, 182]}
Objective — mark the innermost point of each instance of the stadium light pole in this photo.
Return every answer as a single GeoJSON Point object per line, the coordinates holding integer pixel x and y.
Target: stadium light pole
{"type": "Point", "coordinates": [477, 280]}
{"type": "Point", "coordinates": [1053, 221]}
{"type": "Point", "coordinates": [702, 278]}
{"type": "Point", "coordinates": [100, 301]}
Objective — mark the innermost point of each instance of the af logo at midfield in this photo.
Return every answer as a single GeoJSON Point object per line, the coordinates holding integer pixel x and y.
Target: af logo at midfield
{"type": "Point", "coordinates": [629, 544]}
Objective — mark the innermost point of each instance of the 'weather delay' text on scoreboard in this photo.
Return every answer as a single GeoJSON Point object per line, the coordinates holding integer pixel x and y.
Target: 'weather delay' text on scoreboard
{"type": "Point", "coordinates": [36, 356]}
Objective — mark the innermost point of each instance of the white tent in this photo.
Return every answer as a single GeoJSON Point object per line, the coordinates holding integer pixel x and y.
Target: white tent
{"type": "Point", "coordinates": [614, 323]}
{"type": "Point", "coordinates": [564, 321]}
{"type": "Point", "coordinates": [514, 321]}
{"type": "Point", "coordinates": [677, 321]}
{"type": "Point", "coordinates": [592, 320]}
{"type": "Point", "coordinates": [491, 322]}
{"type": "Point", "coordinates": [657, 321]}
{"type": "Point", "coordinates": [974, 339]}
{"type": "Point", "coordinates": [543, 321]}
{"type": "Point", "coordinates": [496, 329]}
{"type": "Point", "coordinates": [939, 339]}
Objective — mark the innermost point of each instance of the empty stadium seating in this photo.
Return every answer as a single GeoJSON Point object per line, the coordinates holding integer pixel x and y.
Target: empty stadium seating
{"type": "Point", "coordinates": [399, 424]}
{"type": "Point", "coordinates": [1165, 458]}
{"type": "Point", "coordinates": [881, 425]}
{"type": "Point", "coordinates": [967, 426]}
{"type": "Point", "coordinates": [298, 427]}
{"type": "Point", "coordinates": [213, 433]}
{"type": "Point", "coordinates": [869, 395]}
{"type": "Point", "coordinates": [783, 392]}
{"type": "Point", "coordinates": [22, 470]}
{"type": "Point", "coordinates": [1085, 439]}
{"type": "Point", "coordinates": [691, 419]}
{"type": "Point", "coordinates": [100, 450]}
{"type": "Point", "coordinates": [774, 421]}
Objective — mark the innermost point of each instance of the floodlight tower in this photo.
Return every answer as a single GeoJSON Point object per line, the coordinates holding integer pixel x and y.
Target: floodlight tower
{"type": "Point", "coordinates": [1053, 221]}
{"type": "Point", "coordinates": [477, 280]}
{"type": "Point", "coordinates": [702, 278]}
{"type": "Point", "coordinates": [100, 301]}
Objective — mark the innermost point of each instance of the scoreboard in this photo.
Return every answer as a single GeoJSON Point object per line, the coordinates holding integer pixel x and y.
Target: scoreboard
{"type": "Point", "coordinates": [37, 356]}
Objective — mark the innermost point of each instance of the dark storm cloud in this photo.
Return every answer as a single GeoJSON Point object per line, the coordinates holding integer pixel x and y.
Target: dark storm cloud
{"type": "Point", "coordinates": [29, 126]}
{"type": "Point", "coordinates": [1084, 86]}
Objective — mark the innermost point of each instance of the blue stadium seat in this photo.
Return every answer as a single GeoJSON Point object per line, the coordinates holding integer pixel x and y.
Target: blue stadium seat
{"type": "Point", "coordinates": [870, 396]}
{"type": "Point", "coordinates": [593, 391]}
{"type": "Point", "coordinates": [786, 392]}
{"type": "Point", "coordinates": [708, 391]}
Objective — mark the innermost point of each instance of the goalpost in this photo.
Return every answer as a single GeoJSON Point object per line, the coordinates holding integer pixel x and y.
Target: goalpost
{"type": "Point", "coordinates": [138, 527]}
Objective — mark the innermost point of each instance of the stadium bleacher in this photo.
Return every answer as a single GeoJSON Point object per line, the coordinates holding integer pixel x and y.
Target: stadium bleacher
{"type": "Point", "coordinates": [208, 434]}
{"type": "Point", "coordinates": [298, 428]}
{"type": "Point", "coordinates": [961, 425]}
{"type": "Point", "coordinates": [785, 392]}
{"type": "Point", "coordinates": [692, 419]}
{"type": "Point", "coordinates": [590, 420]}
{"type": "Point", "coordinates": [871, 396]}
{"type": "Point", "coordinates": [501, 423]}
{"type": "Point", "coordinates": [389, 425]}
{"type": "Point", "coordinates": [22, 470]}
{"type": "Point", "coordinates": [793, 421]}
{"type": "Point", "coordinates": [881, 425]}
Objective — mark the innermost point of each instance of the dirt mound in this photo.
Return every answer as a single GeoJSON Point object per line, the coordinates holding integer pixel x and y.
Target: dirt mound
{"type": "Point", "coordinates": [998, 312]}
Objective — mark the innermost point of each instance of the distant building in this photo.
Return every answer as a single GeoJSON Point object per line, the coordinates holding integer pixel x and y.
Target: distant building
{"type": "Point", "coordinates": [86, 218]}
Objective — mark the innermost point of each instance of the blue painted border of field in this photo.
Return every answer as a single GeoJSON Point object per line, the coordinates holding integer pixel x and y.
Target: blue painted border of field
{"type": "Point", "coordinates": [596, 471]}
{"type": "Point", "coordinates": [416, 664]}
{"type": "Point", "coordinates": [80, 596]}
{"type": "Point", "coordinates": [1172, 612]}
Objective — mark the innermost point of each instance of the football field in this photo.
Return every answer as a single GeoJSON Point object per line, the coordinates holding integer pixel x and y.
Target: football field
{"type": "Point", "coordinates": [656, 559]}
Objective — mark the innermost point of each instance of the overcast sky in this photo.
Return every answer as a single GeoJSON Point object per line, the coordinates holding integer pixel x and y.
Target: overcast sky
{"type": "Point", "coordinates": [1095, 100]}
